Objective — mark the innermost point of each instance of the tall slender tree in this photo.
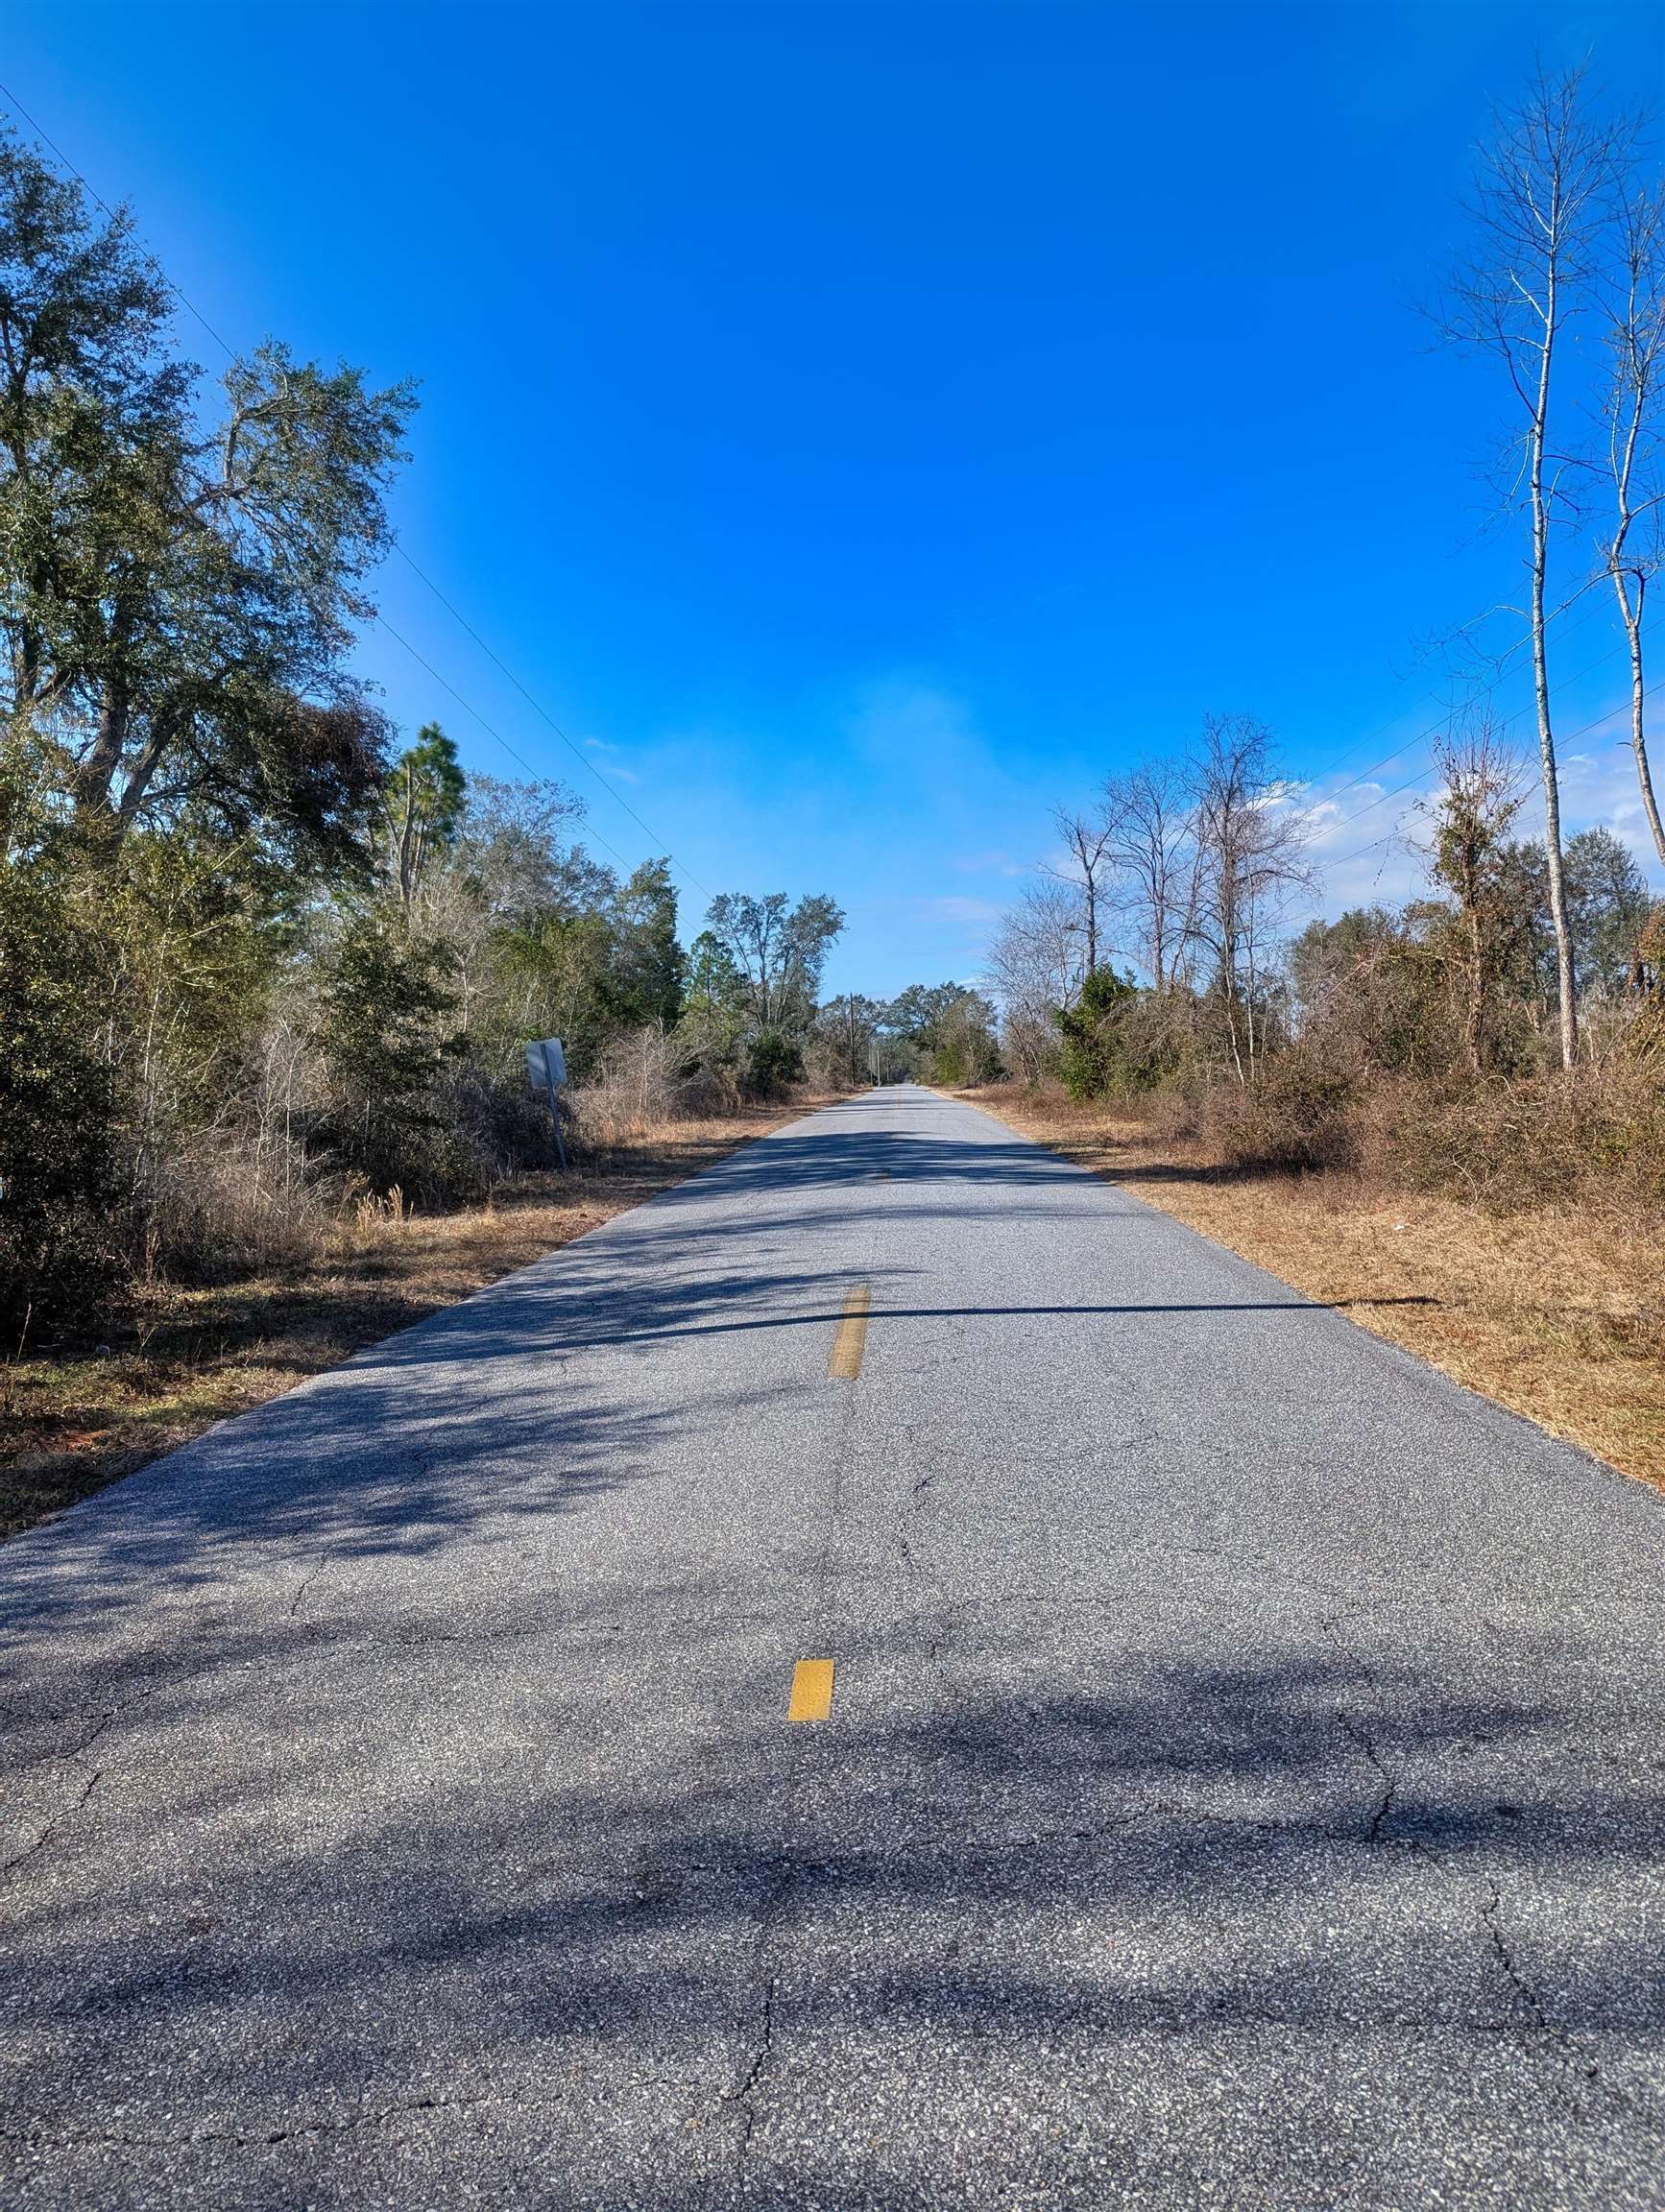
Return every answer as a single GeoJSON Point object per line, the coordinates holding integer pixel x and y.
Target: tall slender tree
{"type": "Point", "coordinates": [1544, 199]}
{"type": "Point", "coordinates": [1634, 413]}
{"type": "Point", "coordinates": [423, 805]}
{"type": "Point", "coordinates": [1151, 846]}
{"type": "Point", "coordinates": [1251, 860]}
{"type": "Point", "coordinates": [1472, 814]}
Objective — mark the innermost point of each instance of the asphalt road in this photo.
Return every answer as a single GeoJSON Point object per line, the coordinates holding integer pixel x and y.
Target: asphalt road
{"type": "Point", "coordinates": [1242, 1785]}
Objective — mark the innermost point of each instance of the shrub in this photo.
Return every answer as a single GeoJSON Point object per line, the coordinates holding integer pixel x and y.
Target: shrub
{"type": "Point", "coordinates": [1595, 1137]}
{"type": "Point", "coordinates": [706, 1093]}
{"type": "Point", "coordinates": [59, 1227]}
{"type": "Point", "coordinates": [1297, 1113]}
{"type": "Point", "coordinates": [219, 1204]}
{"type": "Point", "coordinates": [485, 1130]}
{"type": "Point", "coordinates": [384, 1036]}
{"type": "Point", "coordinates": [635, 1087]}
{"type": "Point", "coordinates": [1091, 1034]}
{"type": "Point", "coordinates": [1117, 1040]}
{"type": "Point", "coordinates": [773, 1061]}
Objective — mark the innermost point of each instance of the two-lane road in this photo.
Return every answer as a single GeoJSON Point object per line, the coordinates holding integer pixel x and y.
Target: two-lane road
{"type": "Point", "coordinates": [1243, 1785]}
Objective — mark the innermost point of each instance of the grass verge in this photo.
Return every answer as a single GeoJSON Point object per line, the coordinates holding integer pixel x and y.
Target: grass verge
{"type": "Point", "coordinates": [74, 1419]}
{"type": "Point", "coordinates": [1557, 1314]}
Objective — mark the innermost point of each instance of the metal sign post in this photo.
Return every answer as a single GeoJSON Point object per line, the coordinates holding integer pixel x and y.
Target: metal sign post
{"type": "Point", "coordinates": [546, 1068]}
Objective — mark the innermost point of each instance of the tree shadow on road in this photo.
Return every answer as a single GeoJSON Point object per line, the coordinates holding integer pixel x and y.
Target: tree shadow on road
{"type": "Point", "coordinates": [1383, 1884]}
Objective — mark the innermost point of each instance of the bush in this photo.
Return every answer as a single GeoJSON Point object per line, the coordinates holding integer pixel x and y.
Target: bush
{"type": "Point", "coordinates": [1297, 1113]}
{"type": "Point", "coordinates": [966, 1060]}
{"type": "Point", "coordinates": [1593, 1138]}
{"type": "Point", "coordinates": [484, 1131]}
{"type": "Point", "coordinates": [219, 1204]}
{"type": "Point", "coordinates": [1596, 1137]}
{"type": "Point", "coordinates": [635, 1087]}
{"type": "Point", "coordinates": [61, 1231]}
{"type": "Point", "coordinates": [773, 1061]}
{"type": "Point", "coordinates": [706, 1093]}
{"type": "Point", "coordinates": [1117, 1040]}
{"type": "Point", "coordinates": [643, 1083]}
{"type": "Point", "coordinates": [384, 1037]}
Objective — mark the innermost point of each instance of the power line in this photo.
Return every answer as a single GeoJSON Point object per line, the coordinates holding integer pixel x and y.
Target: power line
{"type": "Point", "coordinates": [577, 753]}
{"type": "Point", "coordinates": [541, 709]}
{"type": "Point", "coordinates": [17, 108]}
{"type": "Point", "coordinates": [1485, 693]}
{"type": "Point", "coordinates": [1339, 860]}
{"type": "Point", "coordinates": [469, 708]}
{"type": "Point", "coordinates": [1433, 730]}
{"type": "Point", "coordinates": [1422, 776]}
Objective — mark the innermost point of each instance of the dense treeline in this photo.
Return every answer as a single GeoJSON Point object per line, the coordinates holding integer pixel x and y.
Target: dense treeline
{"type": "Point", "coordinates": [930, 1033]}
{"type": "Point", "coordinates": [257, 960]}
{"type": "Point", "coordinates": [1160, 953]}
{"type": "Point", "coordinates": [1157, 969]}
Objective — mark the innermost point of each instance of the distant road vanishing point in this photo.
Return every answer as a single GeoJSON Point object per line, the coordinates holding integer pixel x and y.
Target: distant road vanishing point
{"type": "Point", "coordinates": [892, 1676]}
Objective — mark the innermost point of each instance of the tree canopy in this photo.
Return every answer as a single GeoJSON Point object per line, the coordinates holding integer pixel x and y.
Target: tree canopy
{"type": "Point", "coordinates": [178, 584]}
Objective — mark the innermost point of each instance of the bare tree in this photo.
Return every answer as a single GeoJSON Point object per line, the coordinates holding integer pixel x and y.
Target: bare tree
{"type": "Point", "coordinates": [1544, 194]}
{"type": "Point", "coordinates": [1251, 861]}
{"type": "Point", "coordinates": [1151, 847]}
{"type": "Point", "coordinates": [1086, 839]}
{"type": "Point", "coordinates": [1636, 341]}
{"type": "Point", "coordinates": [1034, 966]}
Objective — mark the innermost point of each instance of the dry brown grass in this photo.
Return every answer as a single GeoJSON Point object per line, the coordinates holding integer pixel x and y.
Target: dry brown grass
{"type": "Point", "coordinates": [1559, 1314]}
{"type": "Point", "coordinates": [72, 1421]}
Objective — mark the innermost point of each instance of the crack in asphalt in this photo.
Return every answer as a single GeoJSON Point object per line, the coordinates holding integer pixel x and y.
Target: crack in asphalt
{"type": "Point", "coordinates": [1560, 2041]}
{"type": "Point", "coordinates": [305, 1584]}
{"type": "Point", "coordinates": [1518, 1980]}
{"type": "Point", "coordinates": [1385, 1773]}
{"type": "Point", "coordinates": [258, 2139]}
{"type": "Point", "coordinates": [61, 1755]}
{"type": "Point", "coordinates": [57, 1822]}
{"type": "Point", "coordinates": [64, 1756]}
{"type": "Point", "coordinates": [742, 2092]}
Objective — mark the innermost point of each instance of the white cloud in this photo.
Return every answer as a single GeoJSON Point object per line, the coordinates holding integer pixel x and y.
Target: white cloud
{"type": "Point", "coordinates": [1365, 839]}
{"type": "Point", "coordinates": [988, 864]}
{"type": "Point", "coordinates": [1601, 787]}
{"type": "Point", "coordinates": [979, 913]}
{"type": "Point", "coordinates": [609, 760]}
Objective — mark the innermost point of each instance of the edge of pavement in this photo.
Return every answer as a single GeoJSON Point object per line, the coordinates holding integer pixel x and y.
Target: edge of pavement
{"type": "Point", "coordinates": [1362, 1320]}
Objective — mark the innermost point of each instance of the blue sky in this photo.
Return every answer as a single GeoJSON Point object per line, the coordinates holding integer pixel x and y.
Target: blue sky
{"type": "Point", "coordinates": [859, 426]}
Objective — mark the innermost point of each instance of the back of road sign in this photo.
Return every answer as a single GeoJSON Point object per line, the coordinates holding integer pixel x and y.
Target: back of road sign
{"type": "Point", "coordinates": [545, 1064]}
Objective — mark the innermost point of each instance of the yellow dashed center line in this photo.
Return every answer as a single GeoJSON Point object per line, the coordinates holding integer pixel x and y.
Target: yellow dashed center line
{"type": "Point", "coordinates": [851, 1340]}
{"type": "Point", "coordinates": [811, 1691]}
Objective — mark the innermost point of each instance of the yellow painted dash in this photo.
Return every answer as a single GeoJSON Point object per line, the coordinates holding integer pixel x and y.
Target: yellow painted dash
{"type": "Point", "coordinates": [851, 1340]}
{"type": "Point", "coordinates": [811, 1691]}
